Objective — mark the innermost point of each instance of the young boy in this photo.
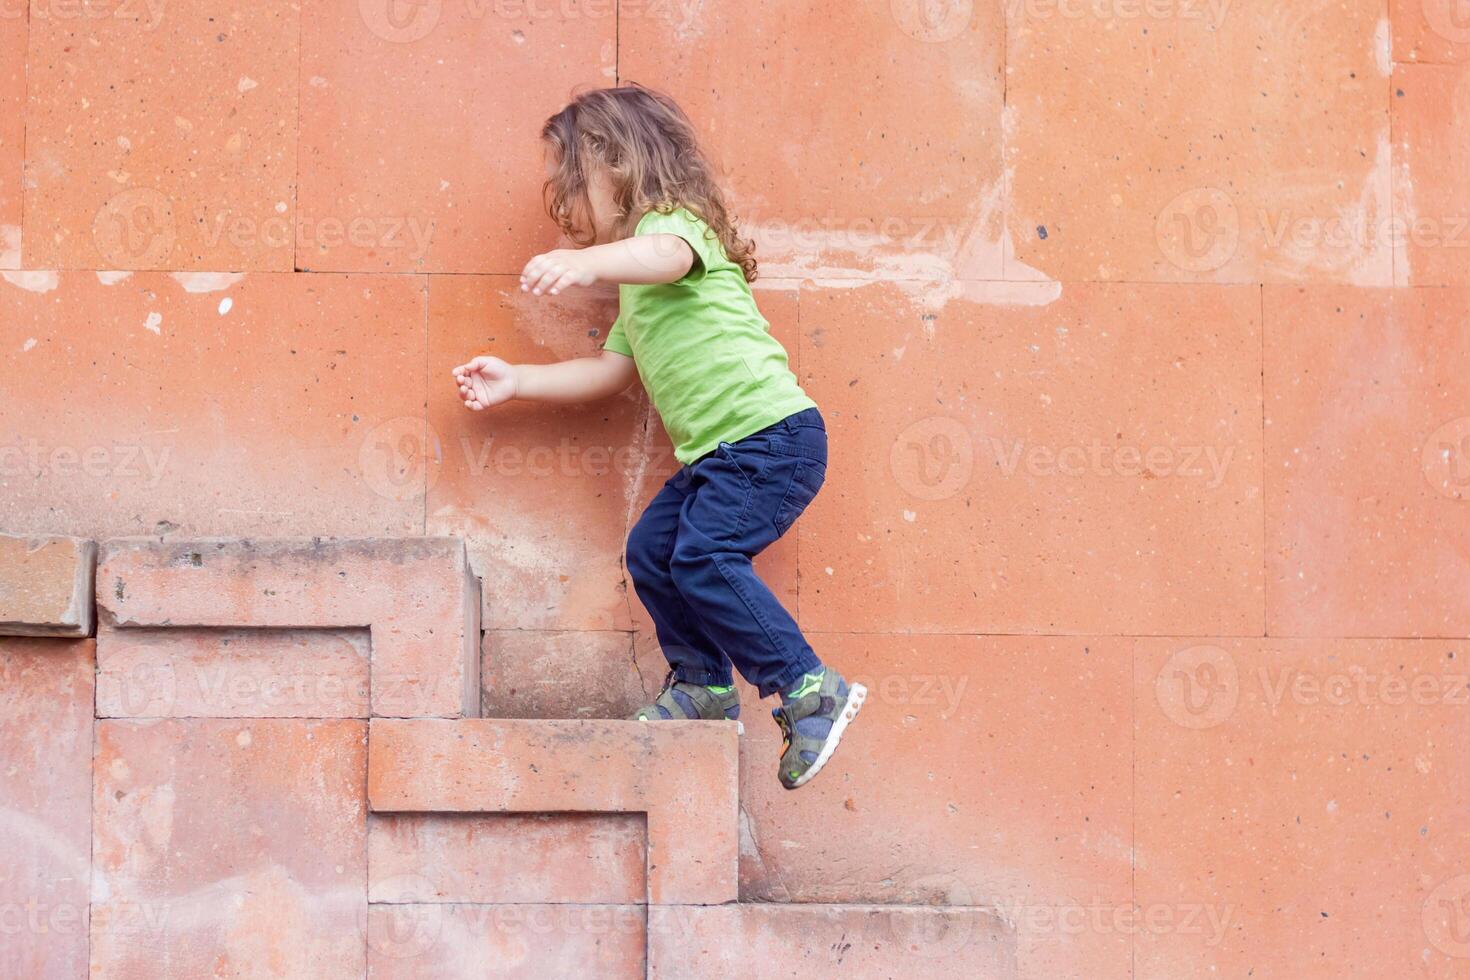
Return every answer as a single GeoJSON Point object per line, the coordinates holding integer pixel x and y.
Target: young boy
{"type": "Point", "coordinates": [628, 182]}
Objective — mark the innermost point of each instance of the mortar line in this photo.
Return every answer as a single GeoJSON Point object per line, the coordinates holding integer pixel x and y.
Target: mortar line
{"type": "Point", "coordinates": [367, 851]}
{"type": "Point", "coordinates": [296, 184]}
{"type": "Point", "coordinates": [820, 282]}
{"type": "Point", "coordinates": [796, 544]}
{"type": "Point", "coordinates": [25, 136]}
{"type": "Point", "coordinates": [1102, 635]}
{"type": "Point", "coordinates": [1005, 102]}
{"type": "Point", "coordinates": [1133, 803]}
{"type": "Point", "coordinates": [427, 448]}
{"type": "Point", "coordinates": [1265, 520]}
{"type": "Point", "coordinates": [92, 784]}
{"type": "Point", "coordinates": [634, 491]}
{"type": "Point", "coordinates": [1390, 91]}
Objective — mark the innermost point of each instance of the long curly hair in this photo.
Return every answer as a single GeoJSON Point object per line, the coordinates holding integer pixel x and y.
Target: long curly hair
{"type": "Point", "coordinates": [649, 149]}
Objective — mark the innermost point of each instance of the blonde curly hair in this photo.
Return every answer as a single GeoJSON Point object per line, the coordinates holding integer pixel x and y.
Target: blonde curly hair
{"type": "Point", "coordinates": [648, 148]}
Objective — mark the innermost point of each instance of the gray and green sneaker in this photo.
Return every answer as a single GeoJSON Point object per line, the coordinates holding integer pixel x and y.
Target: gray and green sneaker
{"type": "Point", "coordinates": [813, 717]}
{"type": "Point", "coordinates": [683, 701]}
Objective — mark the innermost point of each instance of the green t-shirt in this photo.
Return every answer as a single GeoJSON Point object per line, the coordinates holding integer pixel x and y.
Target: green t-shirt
{"type": "Point", "coordinates": [703, 350]}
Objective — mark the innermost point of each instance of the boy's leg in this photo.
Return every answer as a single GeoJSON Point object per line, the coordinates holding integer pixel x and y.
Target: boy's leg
{"type": "Point", "coordinates": [742, 498]}
{"type": "Point", "coordinates": [692, 653]}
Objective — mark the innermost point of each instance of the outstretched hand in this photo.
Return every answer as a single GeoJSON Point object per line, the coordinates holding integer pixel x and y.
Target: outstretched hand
{"type": "Point", "coordinates": [551, 272]}
{"type": "Point", "coordinates": [485, 382]}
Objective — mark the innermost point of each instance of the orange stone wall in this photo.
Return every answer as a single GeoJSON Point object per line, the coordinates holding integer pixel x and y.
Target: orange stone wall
{"type": "Point", "coordinates": [1142, 332]}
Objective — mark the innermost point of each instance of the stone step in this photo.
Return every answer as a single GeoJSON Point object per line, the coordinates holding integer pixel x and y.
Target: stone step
{"type": "Point", "coordinates": [416, 597]}
{"type": "Point", "coordinates": [752, 941]}
{"type": "Point", "coordinates": [684, 776]}
{"type": "Point", "coordinates": [46, 586]}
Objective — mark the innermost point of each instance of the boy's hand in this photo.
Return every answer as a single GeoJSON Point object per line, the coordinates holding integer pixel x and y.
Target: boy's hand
{"type": "Point", "coordinates": [551, 272]}
{"type": "Point", "coordinates": [486, 382]}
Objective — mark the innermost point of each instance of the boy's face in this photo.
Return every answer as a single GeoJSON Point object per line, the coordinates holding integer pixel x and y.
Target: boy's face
{"type": "Point", "coordinates": [601, 223]}
{"type": "Point", "coordinates": [604, 210]}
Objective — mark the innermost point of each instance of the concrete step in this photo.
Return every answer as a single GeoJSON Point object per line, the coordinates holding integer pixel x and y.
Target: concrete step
{"type": "Point", "coordinates": [683, 776]}
{"type": "Point", "coordinates": [415, 596]}
{"type": "Point", "coordinates": [46, 586]}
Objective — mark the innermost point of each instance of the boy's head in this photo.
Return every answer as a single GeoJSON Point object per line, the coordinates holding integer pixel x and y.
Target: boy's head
{"type": "Point", "coordinates": [614, 154]}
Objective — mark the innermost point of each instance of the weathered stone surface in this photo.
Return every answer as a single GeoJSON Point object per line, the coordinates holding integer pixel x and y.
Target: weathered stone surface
{"type": "Point", "coordinates": [499, 858]}
{"type": "Point", "coordinates": [189, 168]}
{"type": "Point", "coordinates": [761, 942]}
{"type": "Point", "coordinates": [13, 36]}
{"type": "Point", "coordinates": [229, 848]}
{"type": "Point", "coordinates": [593, 674]}
{"type": "Point", "coordinates": [46, 586]}
{"type": "Point", "coordinates": [506, 942]}
{"type": "Point", "coordinates": [1367, 461]}
{"type": "Point", "coordinates": [45, 806]}
{"type": "Point", "coordinates": [1298, 807]}
{"type": "Point", "coordinates": [1062, 488]}
{"type": "Point", "coordinates": [242, 673]}
{"type": "Point", "coordinates": [415, 594]}
{"type": "Point", "coordinates": [260, 405]}
{"type": "Point", "coordinates": [683, 775]}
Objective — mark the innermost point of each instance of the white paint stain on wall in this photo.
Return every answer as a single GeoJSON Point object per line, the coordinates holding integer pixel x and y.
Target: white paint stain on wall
{"type": "Point", "coordinates": [206, 282]}
{"type": "Point", "coordinates": [1383, 47]}
{"type": "Point", "coordinates": [112, 278]}
{"type": "Point", "coordinates": [10, 246]}
{"type": "Point", "coordinates": [935, 259]}
{"type": "Point", "coordinates": [35, 282]}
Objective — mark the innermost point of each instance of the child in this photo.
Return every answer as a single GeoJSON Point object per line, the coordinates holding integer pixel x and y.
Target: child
{"type": "Point", "coordinates": [628, 183]}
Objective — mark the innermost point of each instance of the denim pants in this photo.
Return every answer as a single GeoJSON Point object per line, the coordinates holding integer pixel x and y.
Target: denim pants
{"type": "Point", "coordinates": [690, 555]}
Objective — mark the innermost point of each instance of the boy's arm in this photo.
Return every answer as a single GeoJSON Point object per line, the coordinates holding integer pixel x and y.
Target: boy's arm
{"type": "Point", "coordinates": [642, 260]}
{"type": "Point", "coordinates": [488, 381]}
{"type": "Point", "coordinates": [584, 379]}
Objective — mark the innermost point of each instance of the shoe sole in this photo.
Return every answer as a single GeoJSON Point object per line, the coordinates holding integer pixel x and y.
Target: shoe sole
{"type": "Point", "coordinates": [856, 695]}
{"type": "Point", "coordinates": [739, 725]}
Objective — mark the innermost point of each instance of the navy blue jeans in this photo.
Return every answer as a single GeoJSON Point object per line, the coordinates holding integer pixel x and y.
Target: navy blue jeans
{"type": "Point", "coordinates": [690, 555]}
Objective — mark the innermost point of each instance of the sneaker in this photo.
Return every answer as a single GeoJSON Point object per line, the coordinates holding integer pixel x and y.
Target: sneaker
{"type": "Point", "coordinates": [683, 701]}
{"type": "Point", "coordinates": [813, 720]}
